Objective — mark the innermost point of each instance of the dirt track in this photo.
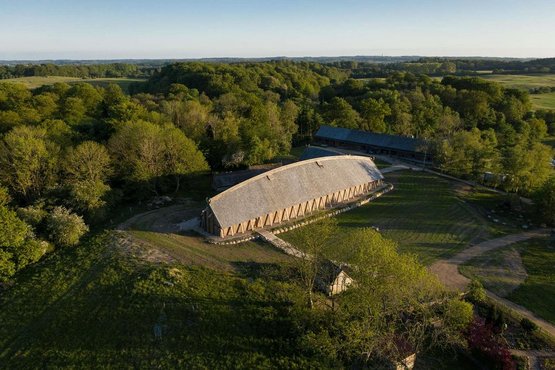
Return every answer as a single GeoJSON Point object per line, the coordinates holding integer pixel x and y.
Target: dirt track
{"type": "Point", "coordinates": [448, 272]}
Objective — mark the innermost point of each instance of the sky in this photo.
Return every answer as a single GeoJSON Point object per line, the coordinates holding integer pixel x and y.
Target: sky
{"type": "Point", "coordinates": [121, 29]}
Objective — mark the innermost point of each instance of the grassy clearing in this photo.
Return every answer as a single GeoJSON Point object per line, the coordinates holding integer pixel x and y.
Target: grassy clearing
{"type": "Point", "coordinates": [192, 250]}
{"type": "Point", "coordinates": [501, 271]}
{"type": "Point", "coordinates": [536, 291]}
{"type": "Point", "coordinates": [94, 308]}
{"type": "Point", "coordinates": [524, 82]}
{"type": "Point", "coordinates": [37, 81]}
{"type": "Point", "coordinates": [424, 214]}
{"type": "Point", "coordinates": [527, 82]}
{"type": "Point", "coordinates": [543, 101]}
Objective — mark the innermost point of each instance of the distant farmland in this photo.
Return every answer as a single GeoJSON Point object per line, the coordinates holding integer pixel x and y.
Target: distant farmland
{"type": "Point", "coordinates": [527, 82]}
{"type": "Point", "coordinates": [524, 82]}
{"type": "Point", "coordinates": [37, 81]}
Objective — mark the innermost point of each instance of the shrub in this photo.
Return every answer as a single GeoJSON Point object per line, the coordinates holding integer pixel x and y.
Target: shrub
{"type": "Point", "coordinates": [476, 291]}
{"type": "Point", "coordinates": [4, 196]}
{"type": "Point", "coordinates": [485, 344]}
{"type": "Point", "coordinates": [65, 228]}
{"type": "Point", "coordinates": [458, 314]}
{"type": "Point", "coordinates": [33, 215]}
{"type": "Point", "coordinates": [528, 325]}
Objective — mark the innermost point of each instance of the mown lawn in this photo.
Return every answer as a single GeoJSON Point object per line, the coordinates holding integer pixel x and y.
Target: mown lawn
{"type": "Point", "coordinates": [538, 291]}
{"type": "Point", "coordinates": [192, 250]}
{"type": "Point", "coordinates": [500, 269]}
{"type": "Point", "coordinates": [424, 214]}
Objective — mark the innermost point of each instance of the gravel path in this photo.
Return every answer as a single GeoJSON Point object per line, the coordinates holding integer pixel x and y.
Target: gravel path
{"type": "Point", "coordinates": [448, 272]}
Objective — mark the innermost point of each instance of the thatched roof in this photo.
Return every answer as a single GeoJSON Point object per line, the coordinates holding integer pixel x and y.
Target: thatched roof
{"type": "Point", "coordinates": [225, 180]}
{"type": "Point", "coordinates": [369, 138]}
{"type": "Point", "coordinates": [318, 152]}
{"type": "Point", "coordinates": [290, 185]}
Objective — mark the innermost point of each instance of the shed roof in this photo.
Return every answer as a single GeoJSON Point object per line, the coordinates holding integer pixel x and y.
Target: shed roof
{"type": "Point", "coordinates": [369, 138]}
{"type": "Point", "coordinates": [290, 185]}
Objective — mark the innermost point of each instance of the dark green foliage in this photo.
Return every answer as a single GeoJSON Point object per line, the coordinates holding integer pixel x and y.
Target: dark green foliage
{"type": "Point", "coordinates": [476, 291]}
{"type": "Point", "coordinates": [528, 325]}
{"type": "Point", "coordinates": [18, 245]}
{"type": "Point", "coordinates": [545, 200]}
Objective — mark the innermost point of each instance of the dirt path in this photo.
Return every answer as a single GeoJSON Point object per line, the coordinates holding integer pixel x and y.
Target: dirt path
{"type": "Point", "coordinates": [533, 356]}
{"type": "Point", "coordinates": [164, 219]}
{"type": "Point", "coordinates": [448, 272]}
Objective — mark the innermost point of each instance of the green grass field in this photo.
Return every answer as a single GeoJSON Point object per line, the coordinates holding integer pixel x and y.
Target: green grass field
{"type": "Point", "coordinates": [534, 290]}
{"type": "Point", "coordinates": [38, 81]}
{"type": "Point", "coordinates": [192, 250]}
{"type": "Point", "coordinates": [524, 82]}
{"type": "Point", "coordinates": [424, 214]}
{"type": "Point", "coordinates": [543, 101]}
{"type": "Point", "coordinates": [527, 82]}
{"type": "Point", "coordinates": [538, 291]}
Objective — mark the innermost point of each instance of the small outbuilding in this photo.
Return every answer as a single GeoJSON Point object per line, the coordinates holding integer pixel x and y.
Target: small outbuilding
{"type": "Point", "coordinates": [333, 278]}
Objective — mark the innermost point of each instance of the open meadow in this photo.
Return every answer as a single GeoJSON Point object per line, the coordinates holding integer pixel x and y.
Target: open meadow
{"type": "Point", "coordinates": [425, 214]}
{"type": "Point", "coordinates": [543, 101]}
{"type": "Point", "coordinates": [527, 82]}
{"type": "Point", "coordinates": [523, 82]}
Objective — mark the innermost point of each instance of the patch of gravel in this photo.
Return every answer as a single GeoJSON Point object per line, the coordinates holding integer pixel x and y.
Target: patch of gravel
{"type": "Point", "coordinates": [131, 247]}
{"type": "Point", "coordinates": [501, 273]}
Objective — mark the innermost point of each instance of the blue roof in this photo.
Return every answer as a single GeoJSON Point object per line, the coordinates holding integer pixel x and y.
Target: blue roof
{"type": "Point", "coordinates": [369, 138]}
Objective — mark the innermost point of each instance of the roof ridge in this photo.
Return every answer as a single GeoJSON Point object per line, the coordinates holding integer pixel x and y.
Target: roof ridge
{"type": "Point", "coordinates": [286, 167]}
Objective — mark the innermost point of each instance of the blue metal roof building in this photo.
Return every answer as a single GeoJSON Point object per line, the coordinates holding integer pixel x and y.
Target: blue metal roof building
{"type": "Point", "coordinates": [370, 142]}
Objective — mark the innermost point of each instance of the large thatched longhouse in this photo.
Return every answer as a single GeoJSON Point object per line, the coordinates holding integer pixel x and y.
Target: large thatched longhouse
{"type": "Point", "coordinates": [289, 192]}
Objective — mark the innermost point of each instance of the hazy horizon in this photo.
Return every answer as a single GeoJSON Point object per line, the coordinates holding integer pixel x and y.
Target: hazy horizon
{"type": "Point", "coordinates": [127, 29]}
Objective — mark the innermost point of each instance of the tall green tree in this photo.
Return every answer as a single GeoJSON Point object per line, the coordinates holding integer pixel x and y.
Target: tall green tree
{"type": "Point", "coordinates": [545, 201]}
{"type": "Point", "coordinates": [87, 168]}
{"type": "Point", "coordinates": [144, 152]}
{"type": "Point", "coordinates": [28, 161]}
{"type": "Point", "coordinates": [313, 242]}
{"type": "Point", "coordinates": [373, 114]}
{"type": "Point", "coordinates": [18, 246]}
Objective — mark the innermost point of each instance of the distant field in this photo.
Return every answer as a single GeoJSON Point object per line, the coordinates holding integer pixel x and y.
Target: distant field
{"type": "Point", "coordinates": [543, 101]}
{"type": "Point", "coordinates": [524, 82]}
{"type": "Point", "coordinates": [424, 214]}
{"type": "Point", "coordinates": [524, 273]}
{"type": "Point", "coordinates": [38, 81]}
{"type": "Point", "coordinates": [527, 82]}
